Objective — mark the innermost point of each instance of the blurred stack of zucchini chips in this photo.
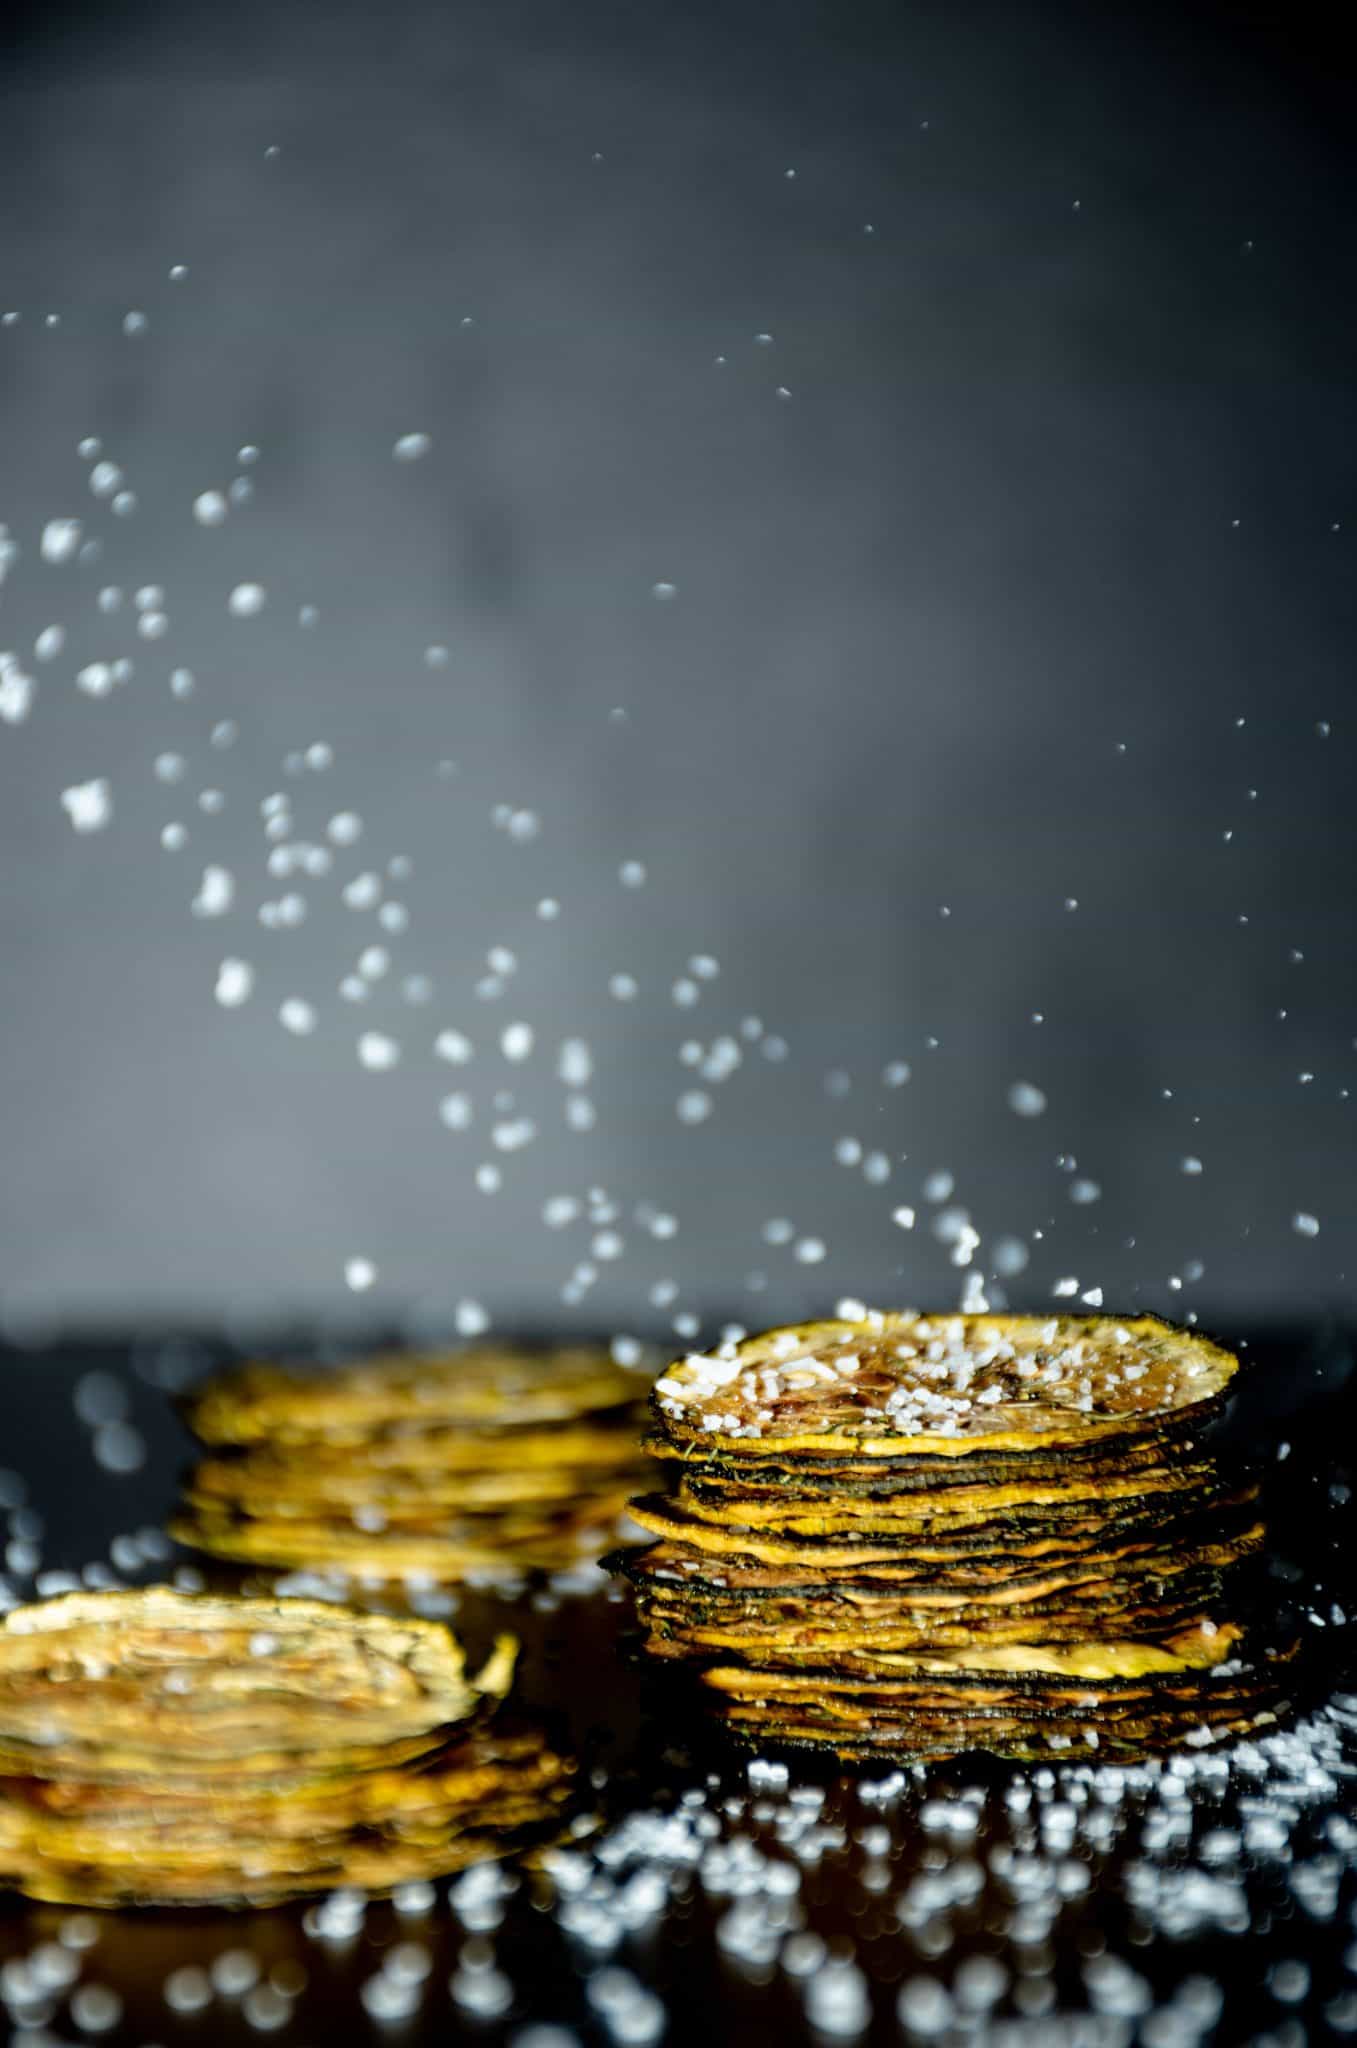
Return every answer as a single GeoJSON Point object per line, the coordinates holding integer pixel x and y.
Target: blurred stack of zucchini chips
{"type": "Point", "coordinates": [908, 1537]}
{"type": "Point", "coordinates": [488, 1462]}
{"type": "Point", "coordinates": [176, 1749]}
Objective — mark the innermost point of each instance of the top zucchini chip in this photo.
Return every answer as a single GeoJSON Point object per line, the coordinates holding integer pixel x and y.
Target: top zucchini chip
{"type": "Point", "coordinates": [902, 1384]}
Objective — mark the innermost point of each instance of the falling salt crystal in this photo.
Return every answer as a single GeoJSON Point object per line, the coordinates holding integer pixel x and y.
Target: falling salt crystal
{"type": "Point", "coordinates": [373, 962]}
{"type": "Point", "coordinates": [453, 1046]}
{"type": "Point", "coordinates": [49, 643]}
{"type": "Point", "coordinates": [1025, 1099]}
{"type": "Point", "coordinates": [410, 447]}
{"type": "Point", "coordinates": [575, 1064]}
{"type": "Point", "coordinates": [558, 1210]}
{"type": "Point", "coordinates": [810, 1250]}
{"type": "Point", "coordinates": [455, 1111]}
{"type": "Point", "coordinates": [471, 1319]}
{"type": "Point", "coordinates": [664, 591]}
{"type": "Point", "coordinates": [1065, 1287]}
{"type": "Point", "coordinates": [362, 892]}
{"type": "Point", "coordinates": [235, 980]}
{"type": "Point", "coordinates": [359, 1274]}
{"type": "Point", "coordinates": [105, 478]}
{"type": "Point", "coordinates": [182, 682]}
{"type": "Point", "coordinates": [246, 600]}
{"type": "Point", "coordinates": [297, 1016]}
{"type": "Point", "coordinates": [216, 893]}
{"type": "Point", "coordinates": [694, 1106]}
{"type": "Point", "coordinates": [16, 691]}
{"type": "Point", "coordinates": [896, 1074]}
{"type": "Point", "coordinates": [210, 508]}
{"type": "Point", "coordinates": [623, 988]}
{"type": "Point", "coordinates": [516, 1041]}
{"type": "Point", "coordinates": [1304, 1224]}
{"type": "Point", "coordinates": [1189, 1165]}
{"type": "Point", "coordinates": [632, 874]}
{"type": "Point", "coordinates": [88, 805]}
{"type": "Point", "coordinates": [377, 1052]}
{"type": "Point", "coordinates": [96, 678]}
{"type": "Point", "coordinates": [904, 1216]}
{"type": "Point", "coordinates": [60, 539]}
{"type": "Point", "coordinates": [345, 828]}
{"type": "Point", "coordinates": [174, 837]}
{"type": "Point", "coordinates": [548, 909]}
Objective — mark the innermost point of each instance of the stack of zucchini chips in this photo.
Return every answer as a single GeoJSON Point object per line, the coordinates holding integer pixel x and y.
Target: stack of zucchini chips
{"type": "Point", "coordinates": [172, 1749]}
{"type": "Point", "coordinates": [910, 1537]}
{"type": "Point", "coordinates": [412, 1467]}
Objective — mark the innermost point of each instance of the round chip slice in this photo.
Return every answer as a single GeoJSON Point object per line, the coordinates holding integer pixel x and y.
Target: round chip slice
{"type": "Point", "coordinates": [899, 1384]}
{"type": "Point", "coordinates": [157, 1682]}
{"type": "Point", "coordinates": [281, 1405]}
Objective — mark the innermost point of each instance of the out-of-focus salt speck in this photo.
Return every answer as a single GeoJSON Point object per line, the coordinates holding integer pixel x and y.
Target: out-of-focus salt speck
{"type": "Point", "coordinates": [307, 614]}
{"type": "Point", "coordinates": [632, 874]}
{"type": "Point", "coordinates": [182, 682]}
{"type": "Point", "coordinates": [188, 1989]}
{"type": "Point", "coordinates": [623, 988]}
{"type": "Point", "coordinates": [471, 1319]}
{"type": "Point", "coordinates": [453, 1046]}
{"type": "Point", "coordinates": [685, 992]}
{"type": "Point", "coordinates": [110, 599]}
{"type": "Point", "coordinates": [235, 981]}
{"type": "Point", "coordinates": [224, 733]}
{"type": "Point", "coordinates": [178, 272]}
{"type": "Point", "coordinates": [455, 1111]}
{"type": "Point", "coordinates": [49, 643]}
{"type": "Point", "coordinates": [1010, 1256]}
{"type": "Point", "coordinates": [153, 625]}
{"type": "Point", "coordinates": [345, 828]}
{"type": "Point", "coordinates": [1071, 903]}
{"type": "Point", "coordinates": [119, 1448]}
{"type": "Point", "coordinates": [559, 1210]}
{"type": "Point", "coordinates": [410, 447]}
{"type": "Point", "coordinates": [378, 1052]}
{"type": "Point", "coordinates": [359, 1274]}
{"type": "Point", "coordinates": [210, 508]}
{"type": "Point", "coordinates": [394, 917]}
{"type": "Point", "coordinates": [876, 1169]}
{"type": "Point", "coordinates": [664, 591]}
{"type": "Point", "coordinates": [580, 1113]}
{"type": "Point", "coordinates": [95, 2008]}
{"type": "Point", "coordinates": [266, 2008]}
{"type": "Point", "coordinates": [489, 988]}
{"type": "Point", "coordinates": [548, 909]}
{"type": "Point", "coordinates": [436, 656]}
{"type": "Point", "coordinates": [1026, 1099]}
{"type": "Point", "coordinates": [60, 540]}
{"type": "Point", "coordinates": [1082, 1192]}
{"type": "Point", "coordinates": [694, 1106]}
{"type": "Point", "coordinates": [246, 600]}
{"type": "Point", "coordinates": [174, 837]}
{"type": "Point", "coordinates": [1323, 728]}
{"type": "Point", "coordinates": [896, 1073]}
{"type": "Point", "coordinates": [373, 962]}
{"type": "Point", "coordinates": [362, 892]}
{"type": "Point", "coordinates": [354, 989]}
{"type": "Point", "coordinates": [135, 323]}
{"type": "Point", "coordinates": [234, 1972]}
{"type": "Point", "coordinates": [809, 1251]}
{"type": "Point", "coordinates": [216, 893]}
{"type": "Point", "coordinates": [16, 691]}
{"type": "Point", "coordinates": [523, 825]}
{"type": "Point", "coordinates": [100, 1397]}
{"type": "Point", "coordinates": [104, 479]}
{"type": "Point", "coordinates": [240, 492]}
{"type": "Point", "coordinates": [417, 988]}
{"type": "Point", "coordinates": [96, 678]}
{"type": "Point", "coordinates": [575, 1063]}
{"type": "Point", "coordinates": [211, 800]}
{"type": "Point", "coordinates": [939, 1186]}
{"type": "Point", "coordinates": [89, 447]}
{"type": "Point", "coordinates": [1304, 1224]}
{"type": "Point", "coordinates": [88, 805]}
{"type": "Point", "coordinates": [297, 1016]}
{"type": "Point", "coordinates": [1190, 1164]}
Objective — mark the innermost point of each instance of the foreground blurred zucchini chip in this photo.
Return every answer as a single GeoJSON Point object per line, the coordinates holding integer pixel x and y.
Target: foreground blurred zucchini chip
{"type": "Point", "coordinates": [913, 1535]}
{"type": "Point", "coordinates": [164, 1747]}
{"type": "Point", "coordinates": [486, 1462]}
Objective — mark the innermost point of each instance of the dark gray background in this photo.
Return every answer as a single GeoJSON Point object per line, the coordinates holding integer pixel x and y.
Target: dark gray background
{"type": "Point", "coordinates": [1065, 469]}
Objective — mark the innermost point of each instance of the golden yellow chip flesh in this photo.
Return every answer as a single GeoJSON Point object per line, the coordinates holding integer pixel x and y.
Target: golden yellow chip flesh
{"type": "Point", "coordinates": [900, 1383]}
{"type": "Point", "coordinates": [265, 1403]}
